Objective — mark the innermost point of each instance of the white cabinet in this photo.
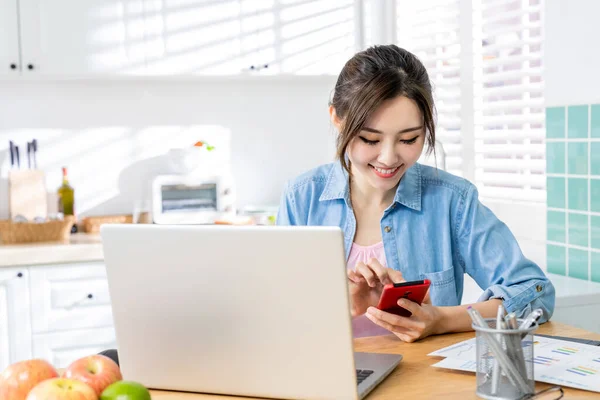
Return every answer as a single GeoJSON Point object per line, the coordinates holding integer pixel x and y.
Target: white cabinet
{"type": "Point", "coordinates": [15, 324]}
{"type": "Point", "coordinates": [56, 312]}
{"type": "Point", "coordinates": [195, 37]}
{"type": "Point", "coordinates": [62, 348]}
{"type": "Point", "coordinates": [9, 38]}
{"type": "Point", "coordinates": [67, 297]}
{"type": "Point", "coordinates": [84, 37]}
{"type": "Point", "coordinates": [87, 38]}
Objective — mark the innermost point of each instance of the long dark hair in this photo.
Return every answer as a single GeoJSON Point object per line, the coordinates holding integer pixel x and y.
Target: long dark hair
{"type": "Point", "coordinates": [372, 76]}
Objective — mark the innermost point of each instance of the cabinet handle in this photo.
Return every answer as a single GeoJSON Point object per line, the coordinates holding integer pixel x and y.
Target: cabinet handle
{"type": "Point", "coordinates": [20, 275]}
{"type": "Point", "coordinates": [76, 303]}
{"type": "Point", "coordinates": [30, 66]}
{"type": "Point", "coordinates": [13, 66]}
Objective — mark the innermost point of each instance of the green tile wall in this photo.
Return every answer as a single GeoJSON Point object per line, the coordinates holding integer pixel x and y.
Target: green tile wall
{"type": "Point", "coordinates": [573, 190]}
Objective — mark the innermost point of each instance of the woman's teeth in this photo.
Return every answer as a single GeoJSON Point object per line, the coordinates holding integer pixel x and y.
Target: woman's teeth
{"type": "Point", "coordinates": [385, 171]}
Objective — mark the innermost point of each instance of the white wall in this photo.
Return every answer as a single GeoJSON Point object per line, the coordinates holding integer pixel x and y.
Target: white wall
{"type": "Point", "coordinates": [571, 58]}
{"type": "Point", "coordinates": [112, 134]}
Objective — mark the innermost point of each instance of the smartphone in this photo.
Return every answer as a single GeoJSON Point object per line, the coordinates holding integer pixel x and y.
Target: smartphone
{"type": "Point", "coordinates": [414, 291]}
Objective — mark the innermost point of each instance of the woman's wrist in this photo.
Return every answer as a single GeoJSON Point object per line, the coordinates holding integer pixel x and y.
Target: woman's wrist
{"type": "Point", "coordinates": [457, 319]}
{"type": "Point", "coordinates": [441, 324]}
{"type": "Point", "coordinates": [452, 319]}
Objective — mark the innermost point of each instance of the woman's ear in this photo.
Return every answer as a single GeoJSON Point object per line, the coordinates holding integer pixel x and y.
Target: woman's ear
{"type": "Point", "coordinates": [334, 118]}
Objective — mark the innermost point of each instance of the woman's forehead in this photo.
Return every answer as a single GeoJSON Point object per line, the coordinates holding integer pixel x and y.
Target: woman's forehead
{"type": "Point", "coordinates": [396, 114]}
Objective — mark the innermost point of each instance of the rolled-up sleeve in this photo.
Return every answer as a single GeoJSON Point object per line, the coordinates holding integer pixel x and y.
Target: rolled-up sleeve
{"type": "Point", "coordinates": [491, 255]}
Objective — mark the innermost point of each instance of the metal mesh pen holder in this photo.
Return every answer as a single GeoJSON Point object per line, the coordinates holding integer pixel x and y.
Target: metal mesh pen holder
{"type": "Point", "coordinates": [504, 361]}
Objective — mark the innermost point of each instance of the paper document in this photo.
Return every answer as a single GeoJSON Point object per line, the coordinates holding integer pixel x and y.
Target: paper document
{"type": "Point", "coordinates": [555, 361]}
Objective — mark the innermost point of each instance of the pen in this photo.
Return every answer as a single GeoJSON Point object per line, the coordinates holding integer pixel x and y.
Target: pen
{"type": "Point", "coordinates": [534, 316]}
{"type": "Point", "coordinates": [515, 349]}
{"type": "Point", "coordinates": [507, 365]}
{"type": "Point", "coordinates": [496, 371]}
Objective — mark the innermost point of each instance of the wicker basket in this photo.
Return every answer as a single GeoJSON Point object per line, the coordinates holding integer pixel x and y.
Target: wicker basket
{"type": "Point", "coordinates": [92, 224]}
{"type": "Point", "coordinates": [29, 232]}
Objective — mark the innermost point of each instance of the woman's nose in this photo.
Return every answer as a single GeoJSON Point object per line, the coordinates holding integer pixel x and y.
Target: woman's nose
{"type": "Point", "coordinates": [388, 155]}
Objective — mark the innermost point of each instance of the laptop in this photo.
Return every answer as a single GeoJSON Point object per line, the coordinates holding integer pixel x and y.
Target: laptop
{"type": "Point", "coordinates": [251, 311]}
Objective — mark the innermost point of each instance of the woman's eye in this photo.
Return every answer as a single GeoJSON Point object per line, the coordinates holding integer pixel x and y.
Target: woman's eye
{"type": "Point", "coordinates": [410, 141]}
{"type": "Point", "coordinates": [369, 142]}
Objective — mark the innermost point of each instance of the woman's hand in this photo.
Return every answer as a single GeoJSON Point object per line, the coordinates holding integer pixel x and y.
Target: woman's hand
{"type": "Point", "coordinates": [366, 283]}
{"type": "Point", "coordinates": [423, 322]}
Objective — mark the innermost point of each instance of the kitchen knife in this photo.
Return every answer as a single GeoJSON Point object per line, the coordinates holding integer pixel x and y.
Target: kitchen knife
{"type": "Point", "coordinates": [12, 153]}
{"type": "Point", "coordinates": [29, 155]}
{"type": "Point", "coordinates": [34, 147]}
{"type": "Point", "coordinates": [18, 157]}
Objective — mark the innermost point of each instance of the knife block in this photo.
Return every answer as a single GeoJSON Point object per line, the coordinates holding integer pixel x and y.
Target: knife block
{"type": "Point", "coordinates": [27, 194]}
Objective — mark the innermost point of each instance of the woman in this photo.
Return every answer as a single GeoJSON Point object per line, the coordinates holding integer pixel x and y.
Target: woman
{"type": "Point", "coordinates": [402, 220]}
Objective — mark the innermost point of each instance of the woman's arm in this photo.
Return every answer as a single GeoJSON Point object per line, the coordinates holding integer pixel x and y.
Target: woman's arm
{"type": "Point", "coordinates": [429, 320]}
{"type": "Point", "coordinates": [488, 252]}
{"type": "Point", "coordinates": [456, 319]}
{"type": "Point", "coordinates": [486, 249]}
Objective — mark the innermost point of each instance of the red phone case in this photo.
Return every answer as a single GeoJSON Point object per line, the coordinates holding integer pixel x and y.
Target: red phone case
{"type": "Point", "coordinates": [414, 291]}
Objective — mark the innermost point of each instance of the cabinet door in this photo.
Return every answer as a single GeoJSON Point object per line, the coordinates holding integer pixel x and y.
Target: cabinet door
{"type": "Point", "coordinates": [62, 348]}
{"type": "Point", "coordinates": [9, 39]}
{"type": "Point", "coordinates": [15, 321]}
{"type": "Point", "coordinates": [83, 37]}
{"type": "Point", "coordinates": [195, 37]}
{"type": "Point", "coordinates": [67, 297]}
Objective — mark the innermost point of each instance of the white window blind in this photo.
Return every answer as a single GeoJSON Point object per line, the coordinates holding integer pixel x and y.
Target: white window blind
{"type": "Point", "coordinates": [314, 37]}
{"type": "Point", "coordinates": [255, 36]}
{"type": "Point", "coordinates": [509, 129]}
{"type": "Point", "coordinates": [494, 82]}
{"type": "Point", "coordinates": [431, 30]}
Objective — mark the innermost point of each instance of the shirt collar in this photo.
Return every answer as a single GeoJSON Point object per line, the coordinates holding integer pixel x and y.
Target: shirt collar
{"type": "Point", "coordinates": [408, 193]}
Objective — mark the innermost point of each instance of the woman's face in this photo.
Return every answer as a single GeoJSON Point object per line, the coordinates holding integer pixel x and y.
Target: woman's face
{"type": "Point", "coordinates": [391, 141]}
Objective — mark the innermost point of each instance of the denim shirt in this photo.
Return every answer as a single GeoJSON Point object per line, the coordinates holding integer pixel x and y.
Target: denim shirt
{"type": "Point", "coordinates": [435, 229]}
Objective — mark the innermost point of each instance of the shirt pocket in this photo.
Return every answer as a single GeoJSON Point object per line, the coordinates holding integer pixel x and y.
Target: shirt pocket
{"type": "Point", "coordinates": [443, 287]}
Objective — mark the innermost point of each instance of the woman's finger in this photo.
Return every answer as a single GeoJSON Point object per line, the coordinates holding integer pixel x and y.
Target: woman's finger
{"type": "Point", "coordinates": [386, 325]}
{"type": "Point", "coordinates": [396, 276]}
{"type": "Point", "coordinates": [367, 273]}
{"type": "Point", "coordinates": [354, 277]}
{"type": "Point", "coordinates": [380, 271]}
{"type": "Point", "coordinates": [411, 306]}
{"type": "Point", "coordinates": [395, 320]}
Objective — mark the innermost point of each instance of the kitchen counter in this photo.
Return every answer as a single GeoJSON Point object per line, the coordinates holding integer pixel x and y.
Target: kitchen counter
{"type": "Point", "coordinates": [81, 247]}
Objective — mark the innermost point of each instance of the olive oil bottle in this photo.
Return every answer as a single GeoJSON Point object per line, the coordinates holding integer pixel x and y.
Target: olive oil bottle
{"type": "Point", "coordinates": [66, 197]}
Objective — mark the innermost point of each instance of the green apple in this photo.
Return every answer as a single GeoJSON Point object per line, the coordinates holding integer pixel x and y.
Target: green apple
{"type": "Point", "coordinates": [125, 390]}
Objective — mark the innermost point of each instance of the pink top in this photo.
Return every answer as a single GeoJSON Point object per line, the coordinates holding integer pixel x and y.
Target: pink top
{"type": "Point", "coordinates": [361, 325]}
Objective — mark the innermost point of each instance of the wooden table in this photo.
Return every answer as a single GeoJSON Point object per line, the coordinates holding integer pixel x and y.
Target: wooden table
{"type": "Point", "coordinates": [414, 378]}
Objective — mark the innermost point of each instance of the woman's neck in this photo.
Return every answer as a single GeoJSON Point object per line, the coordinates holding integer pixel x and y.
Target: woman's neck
{"type": "Point", "coordinates": [364, 195]}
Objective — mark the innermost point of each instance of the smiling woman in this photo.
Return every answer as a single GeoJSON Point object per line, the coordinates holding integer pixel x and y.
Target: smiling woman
{"type": "Point", "coordinates": [403, 221]}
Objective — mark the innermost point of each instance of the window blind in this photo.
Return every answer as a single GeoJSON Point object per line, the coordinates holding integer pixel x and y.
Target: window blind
{"type": "Point", "coordinates": [509, 128]}
{"type": "Point", "coordinates": [431, 30]}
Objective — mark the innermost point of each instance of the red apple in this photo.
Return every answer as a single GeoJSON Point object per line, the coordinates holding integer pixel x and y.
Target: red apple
{"type": "Point", "coordinates": [19, 378]}
{"type": "Point", "coordinates": [97, 371]}
{"type": "Point", "coordinates": [62, 389]}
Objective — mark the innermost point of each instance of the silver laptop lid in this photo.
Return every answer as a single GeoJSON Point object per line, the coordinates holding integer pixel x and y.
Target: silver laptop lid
{"type": "Point", "coordinates": [254, 311]}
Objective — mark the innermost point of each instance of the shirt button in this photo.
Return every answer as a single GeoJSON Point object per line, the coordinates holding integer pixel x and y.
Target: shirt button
{"type": "Point", "coordinates": [387, 229]}
{"type": "Point", "coordinates": [393, 205]}
{"type": "Point", "coordinates": [538, 288]}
